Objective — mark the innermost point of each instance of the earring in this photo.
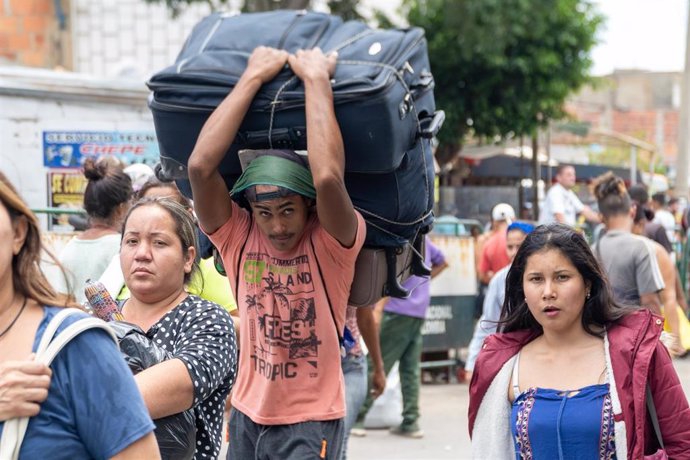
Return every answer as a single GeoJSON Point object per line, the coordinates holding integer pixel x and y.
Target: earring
{"type": "Point", "coordinates": [588, 294]}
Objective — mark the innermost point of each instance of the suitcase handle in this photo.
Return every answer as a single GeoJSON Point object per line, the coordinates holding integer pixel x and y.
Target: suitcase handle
{"type": "Point", "coordinates": [170, 169]}
{"type": "Point", "coordinates": [431, 126]}
{"type": "Point", "coordinates": [393, 288]}
{"type": "Point", "coordinates": [286, 138]}
{"type": "Point", "coordinates": [419, 266]}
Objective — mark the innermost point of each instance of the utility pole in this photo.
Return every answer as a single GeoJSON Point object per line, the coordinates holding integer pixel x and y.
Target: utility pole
{"type": "Point", "coordinates": [683, 163]}
{"type": "Point", "coordinates": [536, 173]}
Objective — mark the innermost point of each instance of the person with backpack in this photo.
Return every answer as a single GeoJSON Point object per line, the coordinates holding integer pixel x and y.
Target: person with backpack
{"type": "Point", "coordinates": [87, 405]}
{"type": "Point", "coordinates": [289, 237]}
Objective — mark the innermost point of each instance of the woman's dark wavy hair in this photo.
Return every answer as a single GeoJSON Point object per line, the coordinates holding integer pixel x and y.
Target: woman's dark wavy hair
{"type": "Point", "coordinates": [600, 309]}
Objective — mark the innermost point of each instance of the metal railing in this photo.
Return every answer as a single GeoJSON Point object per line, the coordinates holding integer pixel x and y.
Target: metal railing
{"type": "Point", "coordinates": [58, 211]}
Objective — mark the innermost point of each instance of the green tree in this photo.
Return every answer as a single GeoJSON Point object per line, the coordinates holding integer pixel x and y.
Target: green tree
{"type": "Point", "coordinates": [503, 68]}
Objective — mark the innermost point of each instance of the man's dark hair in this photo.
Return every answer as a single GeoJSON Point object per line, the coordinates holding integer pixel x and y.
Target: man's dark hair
{"type": "Point", "coordinates": [638, 192]}
{"type": "Point", "coordinates": [659, 197]}
{"type": "Point", "coordinates": [562, 167]}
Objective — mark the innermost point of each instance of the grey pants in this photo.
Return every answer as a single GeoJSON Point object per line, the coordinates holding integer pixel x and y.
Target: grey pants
{"type": "Point", "coordinates": [299, 441]}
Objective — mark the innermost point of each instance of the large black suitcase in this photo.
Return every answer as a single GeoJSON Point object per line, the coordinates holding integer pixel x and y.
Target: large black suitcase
{"type": "Point", "coordinates": [382, 87]}
{"type": "Point", "coordinates": [383, 95]}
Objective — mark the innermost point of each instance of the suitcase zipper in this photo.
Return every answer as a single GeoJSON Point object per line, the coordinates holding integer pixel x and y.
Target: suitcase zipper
{"type": "Point", "coordinates": [210, 34]}
{"type": "Point", "coordinates": [292, 25]}
{"type": "Point", "coordinates": [319, 33]}
{"type": "Point", "coordinates": [179, 108]}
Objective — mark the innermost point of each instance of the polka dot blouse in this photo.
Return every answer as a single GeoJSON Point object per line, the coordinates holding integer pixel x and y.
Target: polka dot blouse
{"type": "Point", "coordinates": [200, 334]}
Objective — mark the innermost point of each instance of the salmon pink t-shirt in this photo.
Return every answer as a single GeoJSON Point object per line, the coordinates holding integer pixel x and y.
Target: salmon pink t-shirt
{"type": "Point", "coordinates": [289, 369]}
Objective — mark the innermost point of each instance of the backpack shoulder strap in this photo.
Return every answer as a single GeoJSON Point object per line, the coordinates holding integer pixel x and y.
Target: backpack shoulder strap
{"type": "Point", "coordinates": [328, 299]}
{"type": "Point", "coordinates": [52, 328]}
{"type": "Point", "coordinates": [14, 429]}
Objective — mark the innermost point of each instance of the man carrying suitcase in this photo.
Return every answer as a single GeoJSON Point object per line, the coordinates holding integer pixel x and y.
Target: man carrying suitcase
{"type": "Point", "coordinates": [290, 257]}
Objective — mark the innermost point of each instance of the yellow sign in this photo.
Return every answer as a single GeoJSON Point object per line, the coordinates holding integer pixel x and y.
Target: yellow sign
{"type": "Point", "coordinates": [65, 190]}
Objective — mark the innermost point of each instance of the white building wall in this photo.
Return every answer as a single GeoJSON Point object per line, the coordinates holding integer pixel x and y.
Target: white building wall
{"type": "Point", "coordinates": [128, 37]}
{"type": "Point", "coordinates": [34, 101]}
{"type": "Point", "coordinates": [131, 37]}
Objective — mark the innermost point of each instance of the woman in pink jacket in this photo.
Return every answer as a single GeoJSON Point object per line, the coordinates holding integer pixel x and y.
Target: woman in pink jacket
{"type": "Point", "coordinates": [568, 374]}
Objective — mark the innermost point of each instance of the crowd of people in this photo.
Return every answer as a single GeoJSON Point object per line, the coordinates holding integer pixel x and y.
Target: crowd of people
{"type": "Point", "coordinates": [242, 294]}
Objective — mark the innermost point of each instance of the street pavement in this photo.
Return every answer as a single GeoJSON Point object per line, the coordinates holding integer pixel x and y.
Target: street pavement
{"type": "Point", "coordinates": [444, 421]}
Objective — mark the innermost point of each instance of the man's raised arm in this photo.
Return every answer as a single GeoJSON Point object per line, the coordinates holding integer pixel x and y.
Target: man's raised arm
{"type": "Point", "coordinates": [211, 197]}
{"type": "Point", "coordinates": [325, 145]}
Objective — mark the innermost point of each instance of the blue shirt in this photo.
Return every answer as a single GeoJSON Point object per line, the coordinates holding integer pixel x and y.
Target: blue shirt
{"type": "Point", "coordinates": [94, 408]}
{"type": "Point", "coordinates": [553, 424]}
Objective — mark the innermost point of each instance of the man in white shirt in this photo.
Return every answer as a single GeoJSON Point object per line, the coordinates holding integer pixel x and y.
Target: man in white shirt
{"type": "Point", "coordinates": [561, 203]}
{"type": "Point", "coordinates": [663, 216]}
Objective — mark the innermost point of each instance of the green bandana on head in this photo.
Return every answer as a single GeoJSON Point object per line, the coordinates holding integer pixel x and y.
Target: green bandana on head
{"type": "Point", "coordinates": [276, 171]}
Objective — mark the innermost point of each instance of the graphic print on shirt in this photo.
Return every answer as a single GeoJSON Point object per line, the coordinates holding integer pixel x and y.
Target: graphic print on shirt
{"type": "Point", "coordinates": [281, 313]}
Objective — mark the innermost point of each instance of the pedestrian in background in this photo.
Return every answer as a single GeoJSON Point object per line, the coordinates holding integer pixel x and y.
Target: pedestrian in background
{"type": "Point", "coordinates": [106, 200]}
{"type": "Point", "coordinates": [667, 296]}
{"type": "Point", "coordinates": [570, 372]}
{"type": "Point", "coordinates": [493, 302]}
{"type": "Point", "coordinates": [401, 340]}
{"type": "Point", "coordinates": [362, 324]}
{"type": "Point", "coordinates": [561, 204]}
{"type": "Point", "coordinates": [628, 260]}
{"type": "Point", "coordinates": [656, 232]}
{"type": "Point", "coordinates": [663, 216]}
{"type": "Point", "coordinates": [493, 255]}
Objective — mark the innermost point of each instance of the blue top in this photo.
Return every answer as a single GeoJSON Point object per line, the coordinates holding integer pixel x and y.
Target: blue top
{"type": "Point", "coordinates": [94, 408]}
{"type": "Point", "coordinates": [555, 424]}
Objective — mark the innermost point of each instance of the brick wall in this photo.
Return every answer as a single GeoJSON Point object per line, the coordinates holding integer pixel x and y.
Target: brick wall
{"type": "Point", "coordinates": [28, 33]}
{"type": "Point", "coordinates": [641, 124]}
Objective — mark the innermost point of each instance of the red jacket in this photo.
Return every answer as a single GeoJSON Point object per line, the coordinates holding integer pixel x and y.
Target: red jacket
{"type": "Point", "coordinates": [637, 357]}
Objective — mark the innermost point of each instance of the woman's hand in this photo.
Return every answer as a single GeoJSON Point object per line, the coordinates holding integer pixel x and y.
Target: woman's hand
{"type": "Point", "coordinates": [23, 387]}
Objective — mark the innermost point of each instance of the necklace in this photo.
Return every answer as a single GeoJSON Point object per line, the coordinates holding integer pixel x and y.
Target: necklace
{"type": "Point", "coordinates": [7, 329]}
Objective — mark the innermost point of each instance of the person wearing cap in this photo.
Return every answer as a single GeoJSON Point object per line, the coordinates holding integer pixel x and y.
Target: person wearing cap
{"type": "Point", "coordinates": [561, 203]}
{"type": "Point", "coordinates": [495, 294]}
{"type": "Point", "coordinates": [494, 256]}
{"type": "Point", "coordinates": [289, 236]}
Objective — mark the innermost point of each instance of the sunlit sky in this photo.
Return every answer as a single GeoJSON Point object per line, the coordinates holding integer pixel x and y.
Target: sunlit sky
{"type": "Point", "coordinates": [642, 34]}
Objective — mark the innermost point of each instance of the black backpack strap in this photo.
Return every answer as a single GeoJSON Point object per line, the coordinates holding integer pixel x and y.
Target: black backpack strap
{"type": "Point", "coordinates": [328, 297]}
{"type": "Point", "coordinates": [239, 261]}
